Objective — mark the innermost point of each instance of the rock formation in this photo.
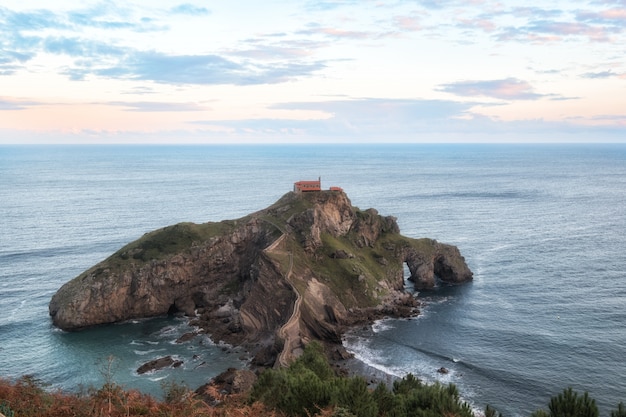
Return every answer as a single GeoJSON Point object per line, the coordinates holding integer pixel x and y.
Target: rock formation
{"type": "Point", "coordinates": [298, 270]}
{"type": "Point", "coordinates": [158, 364]}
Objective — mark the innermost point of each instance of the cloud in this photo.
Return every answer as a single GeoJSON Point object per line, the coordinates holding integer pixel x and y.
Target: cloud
{"type": "Point", "coordinates": [411, 23]}
{"type": "Point", "coordinates": [190, 9]}
{"type": "Point", "coordinates": [25, 34]}
{"type": "Point", "coordinates": [536, 12]}
{"type": "Point", "coordinates": [326, 5]}
{"type": "Point", "coordinates": [337, 33]}
{"type": "Point", "coordinates": [289, 50]}
{"type": "Point", "coordinates": [360, 119]}
{"type": "Point", "coordinates": [7, 103]}
{"type": "Point", "coordinates": [85, 48]}
{"type": "Point", "coordinates": [611, 16]}
{"type": "Point", "coordinates": [177, 69]}
{"type": "Point", "coordinates": [506, 89]}
{"type": "Point", "coordinates": [618, 119]}
{"type": "Point", "coordinates": [154, 106]}
{"type": "Point", "coordinates": [31, 20]}
{"type": "Point", "coordinates": [373, 110]}
{"type": "Point", "coordinates": [543, 26]}
{"type": "Point", "coordinates": [483, 24]}
{"type": "Point", "coordinates": [10, 61]}
{"type": "Point", "coordinates": [594, 33]}
{"type": "Point", "coordinates": [111, 16]}
{"type": "Point", "coordinates": [202, 69]}
{"type": "Point", "coordinates": [600, 74]}
{"type": "Point", "coordinates": [404, 120]}
{"type": "Point", "coordinates": [140, 90]}
{"type": "Point", "coordinates": [103, 16]}
{"type": "Point", "coordinates": [436, 4]}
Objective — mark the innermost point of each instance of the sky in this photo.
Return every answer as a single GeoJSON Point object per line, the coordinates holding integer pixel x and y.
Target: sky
{"type": "Point", "coordinates": [326, 71]}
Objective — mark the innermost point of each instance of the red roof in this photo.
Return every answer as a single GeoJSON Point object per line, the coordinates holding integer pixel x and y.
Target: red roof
{"type": "Point", "coordinates": [307, 186]}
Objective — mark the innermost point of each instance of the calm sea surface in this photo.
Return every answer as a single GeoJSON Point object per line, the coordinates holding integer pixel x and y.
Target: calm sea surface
{"type": "Point", "coordinates": [542, 227]}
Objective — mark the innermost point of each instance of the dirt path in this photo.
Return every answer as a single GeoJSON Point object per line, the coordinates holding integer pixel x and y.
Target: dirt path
{"type": "Point", "coordinates": [290, 331]}
{"type": "Point", "coordinates": [277, 242]}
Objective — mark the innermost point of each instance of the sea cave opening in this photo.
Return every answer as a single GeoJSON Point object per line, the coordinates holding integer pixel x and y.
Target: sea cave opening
{"type": "Point", "coordinates": [409, 284]}
{"type": "Point", "coordinates": [173, 310]}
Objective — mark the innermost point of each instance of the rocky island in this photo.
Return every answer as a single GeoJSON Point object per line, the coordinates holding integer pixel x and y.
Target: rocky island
{"type": "Point", "coordinates": [302, 269]}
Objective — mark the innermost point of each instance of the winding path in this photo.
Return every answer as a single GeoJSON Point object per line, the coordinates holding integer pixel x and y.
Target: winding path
{"type": "Point", "coordinates": [290, 331]}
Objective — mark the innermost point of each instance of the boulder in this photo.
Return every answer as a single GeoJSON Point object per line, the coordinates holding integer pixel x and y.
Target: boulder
{"type": "Point", "coordinates": [158, 364]}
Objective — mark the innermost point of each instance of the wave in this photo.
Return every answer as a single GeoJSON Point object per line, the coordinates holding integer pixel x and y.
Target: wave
{"type": "Point", "coordinates": [50, 252]}
{"type": "Point", "coordinates": [14, 312]}
{"type": "Point", "coordinates": [143, 342]}
{"type": "Point", "coordinates": [369, 357]}
{"type": "Point", "coordinates": [425, 363]}
{"type": "Point", "coordinates": [147, 352]}
{"type": "Point", "coordinates": [382, 325]}
{"type": "Point", "coordinates": [473, 195]}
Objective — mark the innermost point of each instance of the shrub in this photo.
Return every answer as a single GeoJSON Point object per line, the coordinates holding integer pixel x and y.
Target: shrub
{"type": "Point", "coordinates": [309, 385]}
{"type": "Point", "coordinates": [620, 412]}
{"type": "Point", "coordinates": [6, 410]}
{"type": "Point", "coordinates": [570, 404]}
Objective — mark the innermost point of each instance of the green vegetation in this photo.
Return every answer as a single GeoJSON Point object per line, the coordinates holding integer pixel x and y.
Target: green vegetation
{"type": "Point", "coordinates": [309, 387]}
{"type": "Point", "coordinates": [26, 398]}
{"type": "Point", "coordinates": [570, 404]}
{"type": "Point", "coordinates": [6, 410]}
{"type": "Point", "coordinates": [170, 240]}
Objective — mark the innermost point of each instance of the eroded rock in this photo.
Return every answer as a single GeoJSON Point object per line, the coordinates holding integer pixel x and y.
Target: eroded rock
{"type": "Point", "coordinates": [158, 364]}
{"type": "Point", "coordinates": [312, 260]}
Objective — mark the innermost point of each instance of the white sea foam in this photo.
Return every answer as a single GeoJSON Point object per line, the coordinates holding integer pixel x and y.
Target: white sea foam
{"type": "Point", "coordinates": [382, 325]}
{"type": "Point", "coordinates": [147, 352]}
{"type": "Point", "coordinates": [16, 310]}
{"type": "Point", "coordinates": [360, 348]}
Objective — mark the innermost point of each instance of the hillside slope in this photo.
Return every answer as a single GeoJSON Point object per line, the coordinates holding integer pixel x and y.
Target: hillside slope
{"type": "Point", "coordinates": [301, 269]}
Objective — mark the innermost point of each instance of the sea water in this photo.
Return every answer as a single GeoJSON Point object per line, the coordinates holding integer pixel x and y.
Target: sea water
{"type": "Point", "coordinates": [541, 226]}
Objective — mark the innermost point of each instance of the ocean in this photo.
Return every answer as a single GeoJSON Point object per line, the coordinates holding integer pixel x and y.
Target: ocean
{"type": "Point", "coordinates": [541, 226]}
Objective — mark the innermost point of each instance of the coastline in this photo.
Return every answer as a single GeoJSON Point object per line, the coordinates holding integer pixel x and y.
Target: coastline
{"type": "Point", "coordinates": [357, 367]}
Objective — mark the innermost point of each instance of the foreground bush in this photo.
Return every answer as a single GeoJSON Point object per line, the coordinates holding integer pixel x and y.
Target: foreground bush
{"type": "Point", "coordinates": [309, 385]}
{"type": "Point", "coordinates": [570, 404]}
{"type": "Point", "coordinates": [26, 398]}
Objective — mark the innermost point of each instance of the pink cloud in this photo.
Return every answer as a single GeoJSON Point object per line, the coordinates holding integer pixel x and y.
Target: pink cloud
{"type": "Point", "coordinates": [605, 15]}
{"type": "Point", "coordinates": [575, 29]}
{"type": "Point", "coordinates": [484, 24]}
{"type": "Point", "coordinates": [506, 89]}
{"type": "Point", "coordinates": [408, 23]}
{"type": "Point", "coordinates": [614, 14]}
{"type": "Point", "coordinates": [338, 33]}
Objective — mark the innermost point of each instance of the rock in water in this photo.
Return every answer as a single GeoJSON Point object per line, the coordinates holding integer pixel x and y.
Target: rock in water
{"type": "Point", "coordinates": [298, 270]}
{"type": "Point", "coordinates": [158, 364]}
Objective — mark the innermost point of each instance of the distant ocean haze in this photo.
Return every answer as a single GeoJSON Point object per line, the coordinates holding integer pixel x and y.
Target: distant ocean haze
{"type": "Point", "coordinates": [541, 226]}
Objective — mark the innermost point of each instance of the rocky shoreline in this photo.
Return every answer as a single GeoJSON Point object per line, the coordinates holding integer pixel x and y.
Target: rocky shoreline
{"type": "Point", "coordinates": [306, 268]}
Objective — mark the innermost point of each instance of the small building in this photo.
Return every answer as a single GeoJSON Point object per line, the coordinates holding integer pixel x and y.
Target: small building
{"type": "Point", "coordinates": [307, 186]}
{"type": "Point", "coordinates": [311, 186]}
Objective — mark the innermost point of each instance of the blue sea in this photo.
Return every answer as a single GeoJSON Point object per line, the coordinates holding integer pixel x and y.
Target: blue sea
{"type": "Point", "coordinates": [542, 227]}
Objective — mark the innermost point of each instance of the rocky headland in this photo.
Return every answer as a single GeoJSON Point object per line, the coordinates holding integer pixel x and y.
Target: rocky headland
{"type": "Point", "coordinates": [302, 269]}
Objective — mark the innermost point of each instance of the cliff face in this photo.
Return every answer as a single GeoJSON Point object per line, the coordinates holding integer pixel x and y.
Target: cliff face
{"type": "Point", "coordinates": [298, 270]}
